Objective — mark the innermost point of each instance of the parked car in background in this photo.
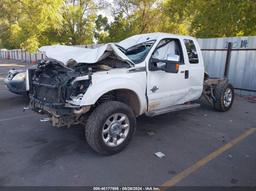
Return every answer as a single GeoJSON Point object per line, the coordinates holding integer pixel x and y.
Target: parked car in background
{"type": "Point", "coordinates": [16, 81]}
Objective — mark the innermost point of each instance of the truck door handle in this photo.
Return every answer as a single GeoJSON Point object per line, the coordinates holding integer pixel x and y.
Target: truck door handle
{"type": "Point", "coordinates": [186, 74]}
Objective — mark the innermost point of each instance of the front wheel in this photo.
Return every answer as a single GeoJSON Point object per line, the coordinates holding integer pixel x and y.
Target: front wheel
{"type": "Point", "coordinates": [224, 95]}
{"type": "Point", "coordinates": [110, 127]}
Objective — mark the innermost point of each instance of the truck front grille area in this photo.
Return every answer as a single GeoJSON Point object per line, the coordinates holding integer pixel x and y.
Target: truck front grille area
{"type": "Point", "coordinates": [50, 84]}
{"type": "Point", "coordinates": [48, 94]}
{"type": "Point", "coordinates": [48, 89]}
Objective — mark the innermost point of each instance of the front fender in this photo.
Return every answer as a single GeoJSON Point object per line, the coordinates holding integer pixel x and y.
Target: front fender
{"type": "Point", "coordinates": [102, 84]}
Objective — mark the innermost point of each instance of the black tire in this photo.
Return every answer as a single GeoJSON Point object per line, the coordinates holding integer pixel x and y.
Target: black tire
{"type": "Point", "coordinates": [96, 121]}
{"type": "Point", "coordinates": [219, 93]}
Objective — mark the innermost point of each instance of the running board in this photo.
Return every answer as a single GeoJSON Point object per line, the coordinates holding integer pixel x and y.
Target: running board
{"type": "Point", "coordinates": [172, 109]}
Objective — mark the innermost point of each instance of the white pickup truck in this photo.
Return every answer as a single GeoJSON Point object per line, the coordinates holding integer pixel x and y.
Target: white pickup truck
{"type": "Point", "coordinates": [106, 88]}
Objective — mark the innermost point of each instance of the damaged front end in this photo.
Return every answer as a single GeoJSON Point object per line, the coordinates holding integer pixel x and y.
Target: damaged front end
{"type": "Point", "coordinates": [58, 85]}
{"type": "Point", "coordinates": [52, 84]}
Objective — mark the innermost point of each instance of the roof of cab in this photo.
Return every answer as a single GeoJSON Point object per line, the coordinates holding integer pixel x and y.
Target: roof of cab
{"type": "Point", "coordinates": [140, 38]}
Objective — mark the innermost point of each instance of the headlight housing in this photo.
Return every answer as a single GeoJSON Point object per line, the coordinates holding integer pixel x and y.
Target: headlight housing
{"type": "Point", "coordinates": [80, 87]}
{"type": "Point", "coordinates": [20, 76]}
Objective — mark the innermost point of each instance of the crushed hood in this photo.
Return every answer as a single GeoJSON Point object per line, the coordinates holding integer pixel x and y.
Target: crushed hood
{"type": "Point", "coordinates": [83, 55]}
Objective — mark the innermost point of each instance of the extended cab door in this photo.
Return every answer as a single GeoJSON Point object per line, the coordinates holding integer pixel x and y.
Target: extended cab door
{"type": "Point", "coordinates": [193, 58]}
{"type": "Point", "coordinates": [168, 81]}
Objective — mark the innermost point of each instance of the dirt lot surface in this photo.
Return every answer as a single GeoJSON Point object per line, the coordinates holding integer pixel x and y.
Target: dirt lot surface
{"type": "Point", "coordinates": [202, 147]}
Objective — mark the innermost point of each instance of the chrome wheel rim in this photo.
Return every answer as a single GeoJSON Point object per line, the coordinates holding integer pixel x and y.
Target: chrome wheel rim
{"type": "Point", "coordinates": [228, 96]}
{"type": "Point", "coordinates": [115, 129]}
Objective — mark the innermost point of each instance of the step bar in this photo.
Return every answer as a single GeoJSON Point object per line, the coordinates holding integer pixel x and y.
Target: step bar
{"type": "Point", "coordinates": [172, 109]}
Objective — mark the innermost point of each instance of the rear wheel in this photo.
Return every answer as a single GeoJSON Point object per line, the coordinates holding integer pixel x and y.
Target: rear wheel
{"type": "Point", "coordinates": [110, 127]}
{"type": "Point", "coordinates": [224, 95]}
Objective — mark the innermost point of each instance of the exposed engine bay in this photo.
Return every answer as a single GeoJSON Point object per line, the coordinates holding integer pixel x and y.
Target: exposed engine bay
{"type": "Point", "coordinates": [52, 83]}
{"type": "Point", "coordinates": [67, 74]}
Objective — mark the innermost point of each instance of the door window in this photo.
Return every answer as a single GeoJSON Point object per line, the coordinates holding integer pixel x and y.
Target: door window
{"type": "Point", "coordinates": [191, 50]}
{"type": "Point", "coordinates": [168, 48]}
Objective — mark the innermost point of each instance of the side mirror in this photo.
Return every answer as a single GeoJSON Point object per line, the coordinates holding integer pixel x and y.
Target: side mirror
{"type": "Point", "coordinates": [173, 58]}
{"type": "Point", "coordinates": [171, 65]}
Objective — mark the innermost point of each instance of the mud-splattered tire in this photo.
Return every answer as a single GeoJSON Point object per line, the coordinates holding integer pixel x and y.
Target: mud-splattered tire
{"type": "Point", "coordinates": [110, 127]}
{"type": "Point", "coordinates": [224, 95]}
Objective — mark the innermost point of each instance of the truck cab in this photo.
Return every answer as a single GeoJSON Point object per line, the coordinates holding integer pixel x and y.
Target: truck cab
{"type": "Point", "coordinates": [175, 72]}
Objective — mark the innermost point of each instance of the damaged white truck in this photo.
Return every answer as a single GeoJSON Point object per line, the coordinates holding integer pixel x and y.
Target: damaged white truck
{"type": "Point", "coordinates": [106, 88]}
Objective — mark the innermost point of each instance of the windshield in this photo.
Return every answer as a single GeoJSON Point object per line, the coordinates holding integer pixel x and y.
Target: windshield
{"type": "Point", "coordinates": [138, 52]}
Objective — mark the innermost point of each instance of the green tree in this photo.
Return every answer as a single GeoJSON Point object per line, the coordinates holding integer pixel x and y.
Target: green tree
{"type": "Point", "coordinates": [131, 17]}
{"type": "Point", "coordinates": [30, 24]}
{"type": "Point", "coordinates": [120, 28]}
{"type": "Point", "coordinates": [6, 21]}
{"type": "Point", "coordinates": [213, 18]}
{"type": "Point", "coordinates": [78, 23]}
{"type": "Point", "coordinates": [218, 18]}
{"type": "Point", "coordinates": [135, 17]}
{"type": "Point", "coordinates": [24, 26]}
{"type": "Point", "coordinates": [101, 29]}
{"type": "Point", "coordinates": [178, 15]}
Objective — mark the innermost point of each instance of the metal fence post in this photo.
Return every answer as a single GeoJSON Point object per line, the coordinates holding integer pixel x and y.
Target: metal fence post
{"type": "Point", "coordinates": [228, 57]}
